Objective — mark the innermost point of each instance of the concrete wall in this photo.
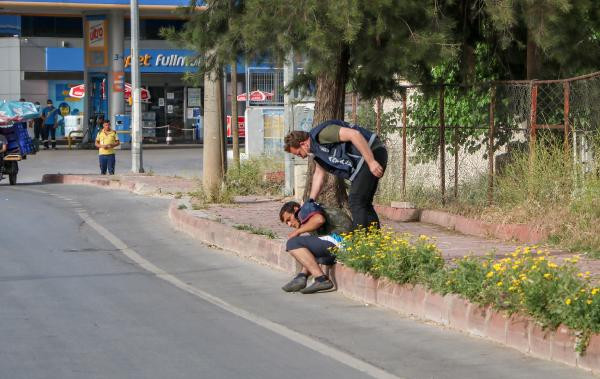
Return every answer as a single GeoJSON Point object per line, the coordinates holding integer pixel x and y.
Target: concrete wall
{"type": "Point", "coordinates": [10, 69]}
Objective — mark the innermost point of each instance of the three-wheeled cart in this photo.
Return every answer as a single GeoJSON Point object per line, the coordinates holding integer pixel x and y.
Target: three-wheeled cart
{"type": "Point", "coordinates": [19, 145]}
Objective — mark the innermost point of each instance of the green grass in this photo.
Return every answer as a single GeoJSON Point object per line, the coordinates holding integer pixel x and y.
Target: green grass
{"type": "Point", "coordinates": [256, 230]}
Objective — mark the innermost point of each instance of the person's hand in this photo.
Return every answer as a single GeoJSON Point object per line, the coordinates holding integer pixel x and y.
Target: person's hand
{"type": "Point", "coordinates": [376, 169]}
{"type": "Point", "coordinates": [293, 233]}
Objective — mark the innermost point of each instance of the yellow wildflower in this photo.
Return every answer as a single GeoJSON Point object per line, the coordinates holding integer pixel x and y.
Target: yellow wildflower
{"type": "Point", "coordinates": [490, 274]}
{"type": "Point", "coordinates": [589, 301]}
{"type": "Point", "coordinates": [499, 284]}
{"type": "Point", "coordinates": [552, 265]}
{"type": "Point", "coordinates": [595, 291]}
{"type": "Point", "coordinates": [568, 301]}
{"type": "Point", "coordinates": [547, 276]}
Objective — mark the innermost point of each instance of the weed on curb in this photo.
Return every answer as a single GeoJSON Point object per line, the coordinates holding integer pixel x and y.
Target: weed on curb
{"type": "Point", "coordinates": [256, 230]}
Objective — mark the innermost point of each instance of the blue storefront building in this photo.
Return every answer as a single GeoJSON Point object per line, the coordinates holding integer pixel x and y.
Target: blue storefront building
{"type": "Point", "coordinates": [48, 47]}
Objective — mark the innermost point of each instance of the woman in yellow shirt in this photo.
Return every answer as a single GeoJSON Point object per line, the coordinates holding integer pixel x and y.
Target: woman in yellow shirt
{"type": "Point", "coordinates": [106, 140]}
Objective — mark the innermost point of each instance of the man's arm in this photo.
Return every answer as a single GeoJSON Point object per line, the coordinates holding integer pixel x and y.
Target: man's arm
{"type": "Point", "coordinates": [317, 181]}
{"type": "Point", "coordinates": [361, 144]}
{"type": "Point", "coordinates": [313, 224]}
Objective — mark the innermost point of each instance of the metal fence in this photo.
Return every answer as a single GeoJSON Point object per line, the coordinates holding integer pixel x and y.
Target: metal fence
{"type": "Point", "coordinates": [447, 137]}
{"type": "Point", "coordinates": [269, 81]}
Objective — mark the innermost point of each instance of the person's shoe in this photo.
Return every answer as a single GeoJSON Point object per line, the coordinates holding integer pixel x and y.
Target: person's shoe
{"type": "Point", "coordinates": [295, 284]}
{"type": "Point", "coordinates": [318, 286]}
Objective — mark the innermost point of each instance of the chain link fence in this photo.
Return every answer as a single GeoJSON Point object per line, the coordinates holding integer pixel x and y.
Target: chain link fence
{"type": "Point", "coordinates": [448, 142]}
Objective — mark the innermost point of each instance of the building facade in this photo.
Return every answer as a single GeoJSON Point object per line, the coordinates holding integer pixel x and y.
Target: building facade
{"type": "Point", "coordinates": [47, 48]}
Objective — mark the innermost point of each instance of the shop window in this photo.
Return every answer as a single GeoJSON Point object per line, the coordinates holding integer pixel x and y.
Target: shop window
{"type": "Point", "coordinates": [37, 26]}
{"type": "Point", "coordinates": [150, 28]}
{"type": "Point", "coordinates": [10, 25]}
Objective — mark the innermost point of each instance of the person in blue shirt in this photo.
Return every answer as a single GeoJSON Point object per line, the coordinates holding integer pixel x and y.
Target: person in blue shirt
{"type": "Point", "coordinates": [50, 117]}
{"type": "Point", "coordinates": [316, 231]}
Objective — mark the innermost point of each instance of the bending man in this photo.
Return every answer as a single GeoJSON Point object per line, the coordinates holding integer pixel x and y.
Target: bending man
{"type": "Point", "coordinates": [347, 151]}
{"type": "Point", "coordinates": [324, 227]}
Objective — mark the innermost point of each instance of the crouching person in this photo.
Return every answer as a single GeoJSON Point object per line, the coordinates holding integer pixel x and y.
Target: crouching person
{"type": "Point", "coordinates": [324, 227]}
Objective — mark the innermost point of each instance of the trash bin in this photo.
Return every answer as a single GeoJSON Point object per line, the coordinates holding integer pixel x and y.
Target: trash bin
{"type": "Point", "coordinates": [123, 129]}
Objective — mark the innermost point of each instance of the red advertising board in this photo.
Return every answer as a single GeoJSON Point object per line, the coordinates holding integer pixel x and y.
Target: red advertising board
{"type": "Point", "coordinates": [241, 122]}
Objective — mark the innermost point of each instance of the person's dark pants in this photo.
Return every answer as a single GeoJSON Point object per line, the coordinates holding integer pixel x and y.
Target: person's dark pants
{"type": "Point", "coordinates": [49, 131]}
{"type": "Point", "coordinates": [362, 192]}
{"type": "Point", "coordinates": [107, 163]}
{"type": "Point", "coordinates": [319, 247]}
{"type": "Point", "coordinates": [37, 129]}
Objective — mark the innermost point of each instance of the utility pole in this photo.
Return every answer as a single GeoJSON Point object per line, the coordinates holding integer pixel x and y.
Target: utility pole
{"type": "Point", "coordinates": [288, 117]}
{"type": "Point", "coordinates": [137, 165]}
{"type": "Point", "coordinates": [213, 170]}
{"type": "Point", "coordinates": [235, 139]}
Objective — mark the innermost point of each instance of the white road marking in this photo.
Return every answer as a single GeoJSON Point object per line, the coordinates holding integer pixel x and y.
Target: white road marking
{"type": "Point", "coordinates": [279, 329]}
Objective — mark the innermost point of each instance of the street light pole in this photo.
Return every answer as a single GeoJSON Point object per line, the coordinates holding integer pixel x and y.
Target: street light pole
{"type": "Point", "coordinates": [137, 165]}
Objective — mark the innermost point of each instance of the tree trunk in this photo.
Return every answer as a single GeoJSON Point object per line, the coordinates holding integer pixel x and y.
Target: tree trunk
{"type": "Point", "coordinates": [212, 172]}
{"type": "Point", "coordinates": [533, 58]}
{"type": "Point", "coordinates": [234, 116]}
{"type": "Point", "coordinates": [329, 104]}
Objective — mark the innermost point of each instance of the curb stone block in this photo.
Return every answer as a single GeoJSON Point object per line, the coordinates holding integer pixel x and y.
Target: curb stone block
{"type": "Point", "coordinates": [385, 293]}
{"type": "Point", "coordinates": [563, 346]}
{"type": "Point", "coordinates": [590, 360]}
{"type": "Point", "coordinates": [458, 312]}
{"type": "Point", "coordinates": [418, 300]}
{"type": "Point", "coordinates": [517, 333]}
{"type": "Point", "coordinates": [496, 326]}
{"type": "Point", "coordinates": [476, 320]}
{"type": "Point", "coordinates": [398, 214]}
{"type": "Point", "coordinates": [540, 341]}
{"type": "Point", "coordinates": [435, 308]}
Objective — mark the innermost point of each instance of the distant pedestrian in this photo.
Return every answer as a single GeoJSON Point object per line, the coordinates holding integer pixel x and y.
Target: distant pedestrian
{"type": "Point", "coordinates": [38, 124]}
{"type": "Point", "coordinates": [50, 117]}
{"type": "Point", "coordinates": [349, 152]}
{"type": "Point", "coordinates": [106, 140]}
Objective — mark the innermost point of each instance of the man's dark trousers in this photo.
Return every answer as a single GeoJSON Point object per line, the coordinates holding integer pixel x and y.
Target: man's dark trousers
{"type": "Point", "coordinates": [362, 192]}
{"type": "Point", "coordinates": [49, 131]}
{"type": "Point", "coordinates": [107, 163]}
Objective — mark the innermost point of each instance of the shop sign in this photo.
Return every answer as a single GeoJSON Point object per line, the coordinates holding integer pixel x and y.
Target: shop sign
{"type": "Point", "coordinates": [96, 33]}
{"type": "Point", "coordinates": [162, 61]}
{"type": "Point", "coordinates": [241, 128]}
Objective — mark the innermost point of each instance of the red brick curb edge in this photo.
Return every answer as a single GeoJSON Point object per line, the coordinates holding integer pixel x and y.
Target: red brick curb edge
{"type": "Point", "coordinates": [521, 333]}
{"type": "Point", "coordinates": [519, 232]}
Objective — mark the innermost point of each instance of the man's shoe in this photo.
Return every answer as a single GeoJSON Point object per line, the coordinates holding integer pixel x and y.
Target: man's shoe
{"type": "Point", "coordinates": [318, 286]}
{"type": "Point", "coordinates": [296, 284]}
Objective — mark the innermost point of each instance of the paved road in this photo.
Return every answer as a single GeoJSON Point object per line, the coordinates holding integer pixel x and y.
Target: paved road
{"type": "Point", "coordinates": [183, 162]}
{"type": "Point", "coordinates": [77, 304]}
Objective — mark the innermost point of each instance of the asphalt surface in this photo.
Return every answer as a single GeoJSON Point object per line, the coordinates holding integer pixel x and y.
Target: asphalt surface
{"type": "Point", "coordinates": [182, 162]}
{"type": "Point", "coordinates": [96, 284]}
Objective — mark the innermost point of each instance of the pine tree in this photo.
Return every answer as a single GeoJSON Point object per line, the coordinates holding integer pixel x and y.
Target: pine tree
{"type": "Point", "coordinates": [367, 43]}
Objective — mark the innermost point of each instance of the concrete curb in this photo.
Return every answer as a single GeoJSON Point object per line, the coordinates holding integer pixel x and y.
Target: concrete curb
{"type": "Point", "coordinates": [509, 232]}
{"type": "Point", "coordinates": [519, 332]}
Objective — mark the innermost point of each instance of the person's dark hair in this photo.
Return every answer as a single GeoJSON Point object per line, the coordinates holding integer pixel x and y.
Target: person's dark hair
{"type": "Point", "coordinates": [49, 101]}
{"type": "Point", "coordinates": [22, 99]}
{"type": "Point", "coordinates": [294, 139]}
{"type": "Point", "coordinates": [37, 103]}
{"type": "Point", "coordinates": [289, 207]}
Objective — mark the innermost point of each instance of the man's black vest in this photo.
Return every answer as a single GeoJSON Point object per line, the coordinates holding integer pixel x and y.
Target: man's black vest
{"type": "Point", "coordinates": [341, 158]}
